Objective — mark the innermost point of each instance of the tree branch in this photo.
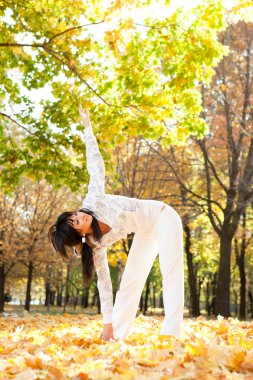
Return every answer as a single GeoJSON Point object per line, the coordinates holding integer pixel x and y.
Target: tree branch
{"type": "Point", "coordinates": [203, 148]}
{"type": "Point", "coordinates": [208, 187]}
{"type": "Point", "coordinates": [50, 51]}
{"type": "Point", "coordinates": [21, 126]}
{"type": "Point", "coordinates": [10, 44]}
{"type": "Point", "coordinates": [181, 183]}
{"type": "Point", "coordinates": [47, 141]}
{"type": "Point", "coordinates": [73, 28]}
{"type": "Point", "coordinates": [155, 27]}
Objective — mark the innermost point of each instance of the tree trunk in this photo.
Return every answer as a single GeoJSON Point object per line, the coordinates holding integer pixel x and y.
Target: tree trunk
{"type": "Point", "coordinates": [214, 286]}
{"type": "Point", "coordinates": [146, 297]}
{"type": "Point", "coordinates": [93, 303]}
{"type": "Point", "coordinates": [2, 274]}
{"type": "Point", "coordinates": [240, 260]}
{"type": "Point", "coordinates": [141, 303]}
{"type": "Point", "coordinates": [194, 303]}
{"type": "Point", "coordinates": [242, 311]}
{"type": "Point", "coordinates": [52, 297]}
{"type": "Point", "coordinates": [199, 286]}
{"type": "Point", "coordinates": [120, 271]}
{"type": "Point", "coordinates": [2, 284]}
{"type": "Point", "coordinates": [236, 301]}
{"type": "Point", "coordinates": [98, 302]}
{"type": "Point", "coordinates": [223, 286]}
{"type": "Point", "coordinates": [29, 286]}
{"type": "Point", "coordinates": [48, 300]}
{"type": "Point", "coordinates": [59, 288]}
{"type": "Point", "coordinates": [85, 298]}
{"type": "Point", "coordinates": [67, 288]}
{"type": "Point", "coordinates": [154, 296]}
{"type": "Point", "coordinates": [250, 295]}
{"type": "Point", "coordinates": [75, 303]}
{"type": "Point", "coordinates": [130, 238]}
{"type": "Point", "coordinates": [161, 302]}
{"type": "Point", "coordinates": [208, 305]}
{"type": "Point", "coordinates": [59, 299]}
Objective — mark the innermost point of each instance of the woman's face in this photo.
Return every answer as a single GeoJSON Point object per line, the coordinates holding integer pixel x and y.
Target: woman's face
{"type": "Point", "coordinates": [81, 222]}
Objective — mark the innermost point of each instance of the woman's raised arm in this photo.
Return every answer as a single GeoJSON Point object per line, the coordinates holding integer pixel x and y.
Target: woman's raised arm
{"type": "Point", "coordinates": [94, 159]}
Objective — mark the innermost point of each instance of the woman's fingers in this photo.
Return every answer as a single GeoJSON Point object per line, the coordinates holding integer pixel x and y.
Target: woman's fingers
{"type": "Point", "coordinates": [86, 111]}
{"type": "Point", "coordinates": [84, 116]}
{"type": "Point", "coordinates": [82, 112]}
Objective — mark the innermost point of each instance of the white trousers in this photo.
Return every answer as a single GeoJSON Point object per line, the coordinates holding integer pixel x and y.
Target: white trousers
{"type": "Point", "coordinates": [165, 238]}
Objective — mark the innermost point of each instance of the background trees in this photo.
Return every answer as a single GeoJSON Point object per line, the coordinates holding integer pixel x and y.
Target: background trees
{"type": "Point", "coordinates": [229, 166]}
{"type": "Point", "coordinates": [149, 83]}
{"type": "Point", "coordinates": [214, 174]}
{"type": "Point", "coordinates": [55, 55]}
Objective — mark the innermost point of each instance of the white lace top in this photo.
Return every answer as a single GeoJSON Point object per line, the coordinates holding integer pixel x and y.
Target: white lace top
{"type": "Point", "coordinates": [110, 209]}
{"type": "Point", "coordinates": [117, 211]}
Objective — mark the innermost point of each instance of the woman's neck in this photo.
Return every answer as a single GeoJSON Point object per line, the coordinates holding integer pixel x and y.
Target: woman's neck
{"type": "Point", "coordinates": [104, 227]}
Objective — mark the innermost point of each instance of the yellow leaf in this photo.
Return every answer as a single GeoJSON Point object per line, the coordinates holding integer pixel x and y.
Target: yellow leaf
{"type": "Point", "coordinates": [82, 376]}
{"type": "Point", "coordinates": [35, 363]}
{"type": "Point", "coordinates": [147, 363]}
{"type": "Point", "coordinates": [197, 349]}
{"type": "Point", "coordinates": [235, 360]}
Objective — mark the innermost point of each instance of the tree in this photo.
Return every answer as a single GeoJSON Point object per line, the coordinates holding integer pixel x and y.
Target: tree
{"type": "Point", "coordinates": [26, 217]}
{"type": "Point", "coordinates": [224, 157]}
{"type": "Point", "coordinates": [38, 203]}
{"type": "Point", "coordinates": [242, 241]}
{"type": "Point", "coordinates": [231, 123]}
{"type": "Point", "coordinates": [8, 244]}
{"type": "Point", "coordinates": [50, 45]}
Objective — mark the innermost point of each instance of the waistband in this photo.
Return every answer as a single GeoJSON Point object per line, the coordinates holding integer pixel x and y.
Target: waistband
{"type": "Point", "coordinates": [146, 217]}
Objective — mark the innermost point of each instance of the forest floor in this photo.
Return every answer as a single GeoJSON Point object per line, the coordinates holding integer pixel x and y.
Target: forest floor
{"type": "Point", "coordinates": [67, 346]}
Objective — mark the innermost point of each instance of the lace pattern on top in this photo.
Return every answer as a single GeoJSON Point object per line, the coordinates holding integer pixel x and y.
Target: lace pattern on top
{"type": "Point", "coordinates": [104, 283]}
{"type": "Point", "coordinates": [96, 170]}
{"type": "Point", "coordinates": [110, 209]}
{"type": "Point", "coordinates": [107, 240]}
{"type": "Point", "coordinates": [95, 166]}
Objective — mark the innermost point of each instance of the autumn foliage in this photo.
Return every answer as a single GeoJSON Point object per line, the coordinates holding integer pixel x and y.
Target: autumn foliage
{"type": "Point", "coordinates": [69, 347]}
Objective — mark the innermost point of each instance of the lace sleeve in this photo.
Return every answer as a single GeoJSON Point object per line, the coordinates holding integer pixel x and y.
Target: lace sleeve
{"type": "Point", "coordinates": [95, 164]}
{"type": "Point", "coordinates": [104, 284]}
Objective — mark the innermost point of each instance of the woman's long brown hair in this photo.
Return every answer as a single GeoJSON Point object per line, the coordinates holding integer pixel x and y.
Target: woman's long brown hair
{"type": "Point", "coordinates": [63, 235]}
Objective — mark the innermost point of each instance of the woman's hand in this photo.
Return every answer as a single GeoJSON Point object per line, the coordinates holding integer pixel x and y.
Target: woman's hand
{"type": "Point", "coordinates": [107, 332]}
{"type": "Point", "coordinates": [85, 117]}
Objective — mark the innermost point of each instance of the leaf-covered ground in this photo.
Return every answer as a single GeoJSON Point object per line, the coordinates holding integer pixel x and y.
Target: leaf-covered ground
{"type": "Point", "coordinates": [68, 347]}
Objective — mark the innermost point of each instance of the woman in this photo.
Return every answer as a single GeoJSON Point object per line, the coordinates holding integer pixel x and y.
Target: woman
{"type": "Point", "coordinates": [105, 219]}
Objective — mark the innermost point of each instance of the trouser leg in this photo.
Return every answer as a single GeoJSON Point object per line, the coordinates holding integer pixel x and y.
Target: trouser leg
{"type": "Point", "coordinates": [141, 257]}
{"type": "Point", "coordinates": [169, 233]}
